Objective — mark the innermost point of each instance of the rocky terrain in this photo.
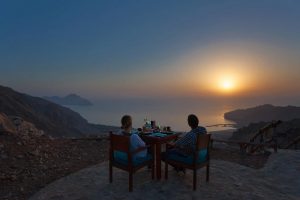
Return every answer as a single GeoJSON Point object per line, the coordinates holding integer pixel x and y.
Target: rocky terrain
{"type": "Point", "coordinates": [53, 119]}
{"type": "Point", "coordinates": [71, 99]}
{"type": "Point", "coordinates": [250, 121]}
{"type": "Point", "coordinates": [30, 161]}
{"type": "Point", "coordinates": [285, 132]}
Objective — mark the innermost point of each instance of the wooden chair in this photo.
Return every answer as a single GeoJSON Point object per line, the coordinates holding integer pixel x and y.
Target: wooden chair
{"type": "Point", "coordinates": [193, 162]}
{"type": "Point", "coordinates": [121, 143]}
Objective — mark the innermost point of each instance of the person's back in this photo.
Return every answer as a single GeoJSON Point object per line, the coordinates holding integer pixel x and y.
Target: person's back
{"type": "Point", "coordinates": [187, 144]}
{"type": "Point", "coordinates": [135, 140]}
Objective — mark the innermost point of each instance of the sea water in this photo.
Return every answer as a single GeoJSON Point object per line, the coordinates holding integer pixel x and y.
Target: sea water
{"type": "Point", "coordinates": [166, 112]}
{"type": "Point", "coordinates": [169, 112]}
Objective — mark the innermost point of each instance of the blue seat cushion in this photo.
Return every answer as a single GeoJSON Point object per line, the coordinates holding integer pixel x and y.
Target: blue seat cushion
{"type": "Point", "coordinates": [187, 159]}
{"type": "Point", "coordinates": [122, 158]}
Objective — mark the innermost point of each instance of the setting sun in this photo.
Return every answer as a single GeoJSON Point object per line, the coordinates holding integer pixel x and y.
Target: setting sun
{"type": "Point", "coordinates": [227, 85]}
{"type": "Point", "coordinates": [226, 73]}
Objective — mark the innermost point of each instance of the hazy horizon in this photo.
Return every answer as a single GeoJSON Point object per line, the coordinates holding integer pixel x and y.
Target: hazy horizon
{"type": "Point", "coordinates": [167, 112]}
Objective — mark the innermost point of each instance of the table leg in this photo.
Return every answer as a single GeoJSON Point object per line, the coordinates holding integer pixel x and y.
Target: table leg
{"type": "Point", "coordinates": [158, 161]}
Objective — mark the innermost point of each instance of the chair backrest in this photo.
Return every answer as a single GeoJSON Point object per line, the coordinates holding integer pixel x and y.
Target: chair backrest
{"type": "Point", "coordinates": [119, 142]}
{"type": "Point", "coordinates": [203, 141]}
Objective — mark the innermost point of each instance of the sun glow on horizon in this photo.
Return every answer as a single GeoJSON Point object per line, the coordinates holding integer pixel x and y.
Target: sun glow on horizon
{"type": "Point", "coordinates": [237, 69]}
{"type": "Point", "coordinates": [227, 85]}
{"type": "Point", "coordinates": [226, 82]}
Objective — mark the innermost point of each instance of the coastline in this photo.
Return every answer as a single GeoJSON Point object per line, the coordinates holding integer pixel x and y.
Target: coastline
{"type": "Point", "coordinates": [222, 134]}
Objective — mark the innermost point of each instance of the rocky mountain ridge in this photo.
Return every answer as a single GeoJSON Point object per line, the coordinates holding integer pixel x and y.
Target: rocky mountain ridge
{"type": "Point", "coordinates": [53, 119]}
{"type": "Point", "coordinates": [263, 113]}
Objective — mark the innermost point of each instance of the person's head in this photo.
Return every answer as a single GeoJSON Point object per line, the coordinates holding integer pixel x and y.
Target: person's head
{"type": "Point", "coordinates": [193, 121]}
{"type": "Point", "coordinates": [126, 122]}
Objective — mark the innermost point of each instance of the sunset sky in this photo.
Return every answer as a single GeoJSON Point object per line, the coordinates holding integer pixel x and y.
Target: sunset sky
{"type": "Point", "coordinates": [153, 48]}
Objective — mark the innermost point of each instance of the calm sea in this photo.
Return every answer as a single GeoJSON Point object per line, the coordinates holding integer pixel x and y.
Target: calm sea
{"type": "Point", "coordinates": [166, 112]}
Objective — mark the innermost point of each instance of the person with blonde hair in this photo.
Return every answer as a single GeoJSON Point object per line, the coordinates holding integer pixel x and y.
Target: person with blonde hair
{"type": "Point", "coordinates": [135, 140]}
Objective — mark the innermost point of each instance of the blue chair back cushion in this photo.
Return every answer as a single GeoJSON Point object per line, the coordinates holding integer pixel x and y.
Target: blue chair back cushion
{"type": "Point", "coordinates": [188, 159]}
{"type": "Point", "coordinates": [122, 158]}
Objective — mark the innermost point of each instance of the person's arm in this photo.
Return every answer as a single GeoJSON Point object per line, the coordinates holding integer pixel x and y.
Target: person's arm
{"type": "Point", "coordinates": [139, 141]}
{"type": "Point", "coordinates": [185, 141]}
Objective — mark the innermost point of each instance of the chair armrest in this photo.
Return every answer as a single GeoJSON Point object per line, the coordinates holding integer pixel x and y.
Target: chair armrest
{"type": "Point", "coordinates": [139, 150]}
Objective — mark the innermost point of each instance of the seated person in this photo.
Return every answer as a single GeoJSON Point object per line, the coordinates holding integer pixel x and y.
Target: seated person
{"type": "Point", "coordinates": [135, 140]}
{"type": "Point", "coordinates": [185, 146]}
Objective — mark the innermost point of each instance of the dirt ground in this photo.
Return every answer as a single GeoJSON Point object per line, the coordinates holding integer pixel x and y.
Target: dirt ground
{"type": "Point", "coordinates": [28, 165]}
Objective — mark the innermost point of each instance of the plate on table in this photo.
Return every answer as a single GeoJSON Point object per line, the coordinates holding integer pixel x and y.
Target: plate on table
{"type": "Point", "coordinates": [168, 133]}
{"type": "Point", "coordinates": [158, 134]}
{"type": "Point", "coordinates": [145, 133]}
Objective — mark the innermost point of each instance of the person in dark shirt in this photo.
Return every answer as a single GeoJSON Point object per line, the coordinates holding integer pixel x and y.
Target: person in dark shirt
{"type": "Point", "coordinates": [186, 145]}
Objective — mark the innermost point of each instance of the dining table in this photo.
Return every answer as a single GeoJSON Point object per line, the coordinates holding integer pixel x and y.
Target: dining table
{"type": "Point", "coordinates": [157, 139]}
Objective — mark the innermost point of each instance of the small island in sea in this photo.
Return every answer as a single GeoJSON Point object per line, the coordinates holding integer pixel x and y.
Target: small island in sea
{"type": "Point", "coordinates": [71, 99]}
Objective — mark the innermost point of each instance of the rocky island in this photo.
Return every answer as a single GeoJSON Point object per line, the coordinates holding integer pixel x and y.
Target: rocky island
{"type": "Point", "coordinates": [71, 99]}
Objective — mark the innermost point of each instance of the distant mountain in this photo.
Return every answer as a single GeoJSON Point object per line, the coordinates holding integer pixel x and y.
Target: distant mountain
{"type": "Point", "coordinates": [264, 113]}
{"type": "Point", "coordinates": [53, 119]}
{"type": "Point", "coordinates": [71, 99]}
